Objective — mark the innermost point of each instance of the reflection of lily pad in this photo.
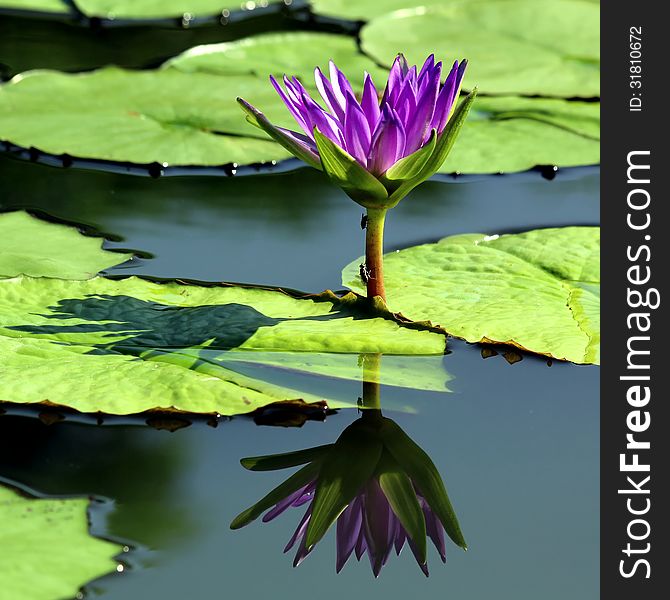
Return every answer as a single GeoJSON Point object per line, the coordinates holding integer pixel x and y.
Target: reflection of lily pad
{"type": "Point", "coordinates": [514, 134]}
{"type": "Point", "coordinates": [164, 116]}
{"type": "Point", "coordinates": [47, 551]}
{"type": "Point", "coordinates": [539, 291]}
{"type": "Point", "coordinates": [30, 246]}
{"type": "Point", "coordinates": [293, 53]}
{"type": "Point", "coordinates": [514, 46]}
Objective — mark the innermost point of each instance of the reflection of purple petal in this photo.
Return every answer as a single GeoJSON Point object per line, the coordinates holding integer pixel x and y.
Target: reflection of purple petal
{"type": "Point", "coordinates": [348, 532]}
{"type": "Point", "coordinates": [300, 530]}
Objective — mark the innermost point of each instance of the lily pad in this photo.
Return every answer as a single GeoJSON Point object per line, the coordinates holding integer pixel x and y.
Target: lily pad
{"type": "Point", "coordinates": [293, 53]}
{"type": "Point", "coordinates": [47, 551]}
{"type": "Point", "coordinates": [162, 9]}
{"type": "Point", "coordinates": [514, 46]}
{"type": "Point", "coordinates": [538, 291]}
{"type": "Point", "coordinates": [59, 7]}
{"type": "Point", "coordinates": [31, 246]}
{"type": "Point", "coordinates": [365, 10]}
{"type": "Point", "coordinates": [126, 346]}
{"type": "Point", "coordinates": [160, 116]}
{"type": "Point", "coordinates": [506, 134]}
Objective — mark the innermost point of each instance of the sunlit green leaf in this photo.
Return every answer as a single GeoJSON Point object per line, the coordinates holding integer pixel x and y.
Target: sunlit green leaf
{"type": "Point", "coordinates": [344, 171]}
{"type": "Point", "coordinates": [30, 246]}
{"type": "Point", "coordinates": [539, 291]}
{"type": "Point", "coordinates": [294, 53]}
{"type": "Point", "coordinates": [163, 116]}
{"type": "Point", "coordinates": [513, 46]}
{"type": "Point", "coordinates": [47, 551]}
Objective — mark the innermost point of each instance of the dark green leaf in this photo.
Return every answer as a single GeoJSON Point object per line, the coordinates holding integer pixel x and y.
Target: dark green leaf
{"type": "Point", "coordinates": [420, 468]}
{"type": "Point", "coordinates": [398, 489]}
{"type": "Point", "coordinates": [274, 462]}
{"type": "Point", "coordinates": [349, 465]}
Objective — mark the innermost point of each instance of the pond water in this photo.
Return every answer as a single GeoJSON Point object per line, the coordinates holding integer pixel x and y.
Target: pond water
{"type": "Point", "coordinates": [517, 444]}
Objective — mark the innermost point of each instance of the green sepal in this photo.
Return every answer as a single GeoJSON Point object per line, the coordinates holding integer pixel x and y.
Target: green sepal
{"type": "Point", "coordinates": [344, 472]}
{"type": "Point", "coordinates": [398, 489]}
{"type": "Point", "coordinates": [258, 119]}
{"type": "Point", "coordinates": [345, 171]}
{"type": "Point", "coordinates": [410, 166]}
{"type": "Point", "coordinates": [274, 462]}
{"type": "Point", "coordinates": [422, 471]}
{"type": "Point", "coordinates": [299, 479]}
{"type": "Point", "coordinates": [444, 144]}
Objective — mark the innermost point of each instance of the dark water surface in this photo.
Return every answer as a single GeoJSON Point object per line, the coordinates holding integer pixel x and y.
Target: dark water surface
{"type": "Point", "coordinates": [517, 444]}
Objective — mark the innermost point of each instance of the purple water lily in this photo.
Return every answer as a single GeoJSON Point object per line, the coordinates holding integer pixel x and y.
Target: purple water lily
{"type": "Point", "coordinates": [367, 525]}
{"type": "Point", "coordinates": [376, 150]}
{"type": "Point", "coordinates": [376, 135]}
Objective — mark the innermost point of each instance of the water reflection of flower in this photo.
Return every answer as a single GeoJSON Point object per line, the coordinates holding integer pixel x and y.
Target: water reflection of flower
{"type": "Point", "coordinates": [374, 482]}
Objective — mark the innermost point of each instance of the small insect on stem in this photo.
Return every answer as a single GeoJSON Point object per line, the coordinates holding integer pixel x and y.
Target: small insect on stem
{"type": "Point", "coordinates": [364, 221]}
{"type": "Point", "coordinates": [364, 273]}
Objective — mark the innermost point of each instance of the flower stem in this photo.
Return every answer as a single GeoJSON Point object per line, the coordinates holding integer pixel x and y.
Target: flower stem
{"type": "Point", "coordinates": [374, 252]}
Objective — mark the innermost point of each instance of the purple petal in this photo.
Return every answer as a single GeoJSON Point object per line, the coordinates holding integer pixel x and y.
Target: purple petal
{"type": "Point", "coordinates": [317, 117]}
{"type": "Point", "coordinates": [356, 131]}
{"type": "Point", "coordinates": [396, 77]}
{"type": "Point", "coordinates": [294, 107]}
{"type": "Point", "coordinates": [388, 142]}
{"type": "Point", "coordinates": [370, 102]}
{"type": "Point", "coordinates": [405, 105]}
{"type": "Point", "coordinates": [301, 139]}
{"type": "Point", "coordinates": [348, 532]}
{"type": "Point", "coordinates": [447, 96]}
{"type": "Point", "coordinates": [361, 544]}
{"type": "Point", "coordinates": [400, 538]}
{"type": "Point", "coordinates": [282, 505]}
{"type": "Point", "coordinates": [435, 531]}
{"type": "Point", "coordinates": [428, 66]}
{"type": "Point", "coordinates": [326, 90]}
{"type": "Point", "coordinates": [340, 84]}
{"type": "Point", "coordinates": [423, 114]}
{"type": "Point", "coordinates": [377, 524]}
{"type": "Point", "coordinates": [300, 530]}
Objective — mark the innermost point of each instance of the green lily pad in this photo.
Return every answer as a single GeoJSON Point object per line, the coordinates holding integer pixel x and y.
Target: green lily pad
{"type": "Point", "coordinates": [131, 345]}
{"type": "Point", "coordinates": [293, 53]}
{"type": "Point", "coordinates": [47, 551]}
{"type": "Point", "coordinates": [514, 46]}
{"type": "Point", "coordinates": [162, 9]}
{"type": "Point", "coordinates": [365, 10]}
{"type": "Point", "coordinates": [539, 291]}
{"type": "Point", "coordinates": [160, 116]}
{"type": "Point", "coordinates": [60, 252]}
{"type": "Point", "coordinates": [59, 7]}
{"type": "Point", "coordinates": [506, 134]}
